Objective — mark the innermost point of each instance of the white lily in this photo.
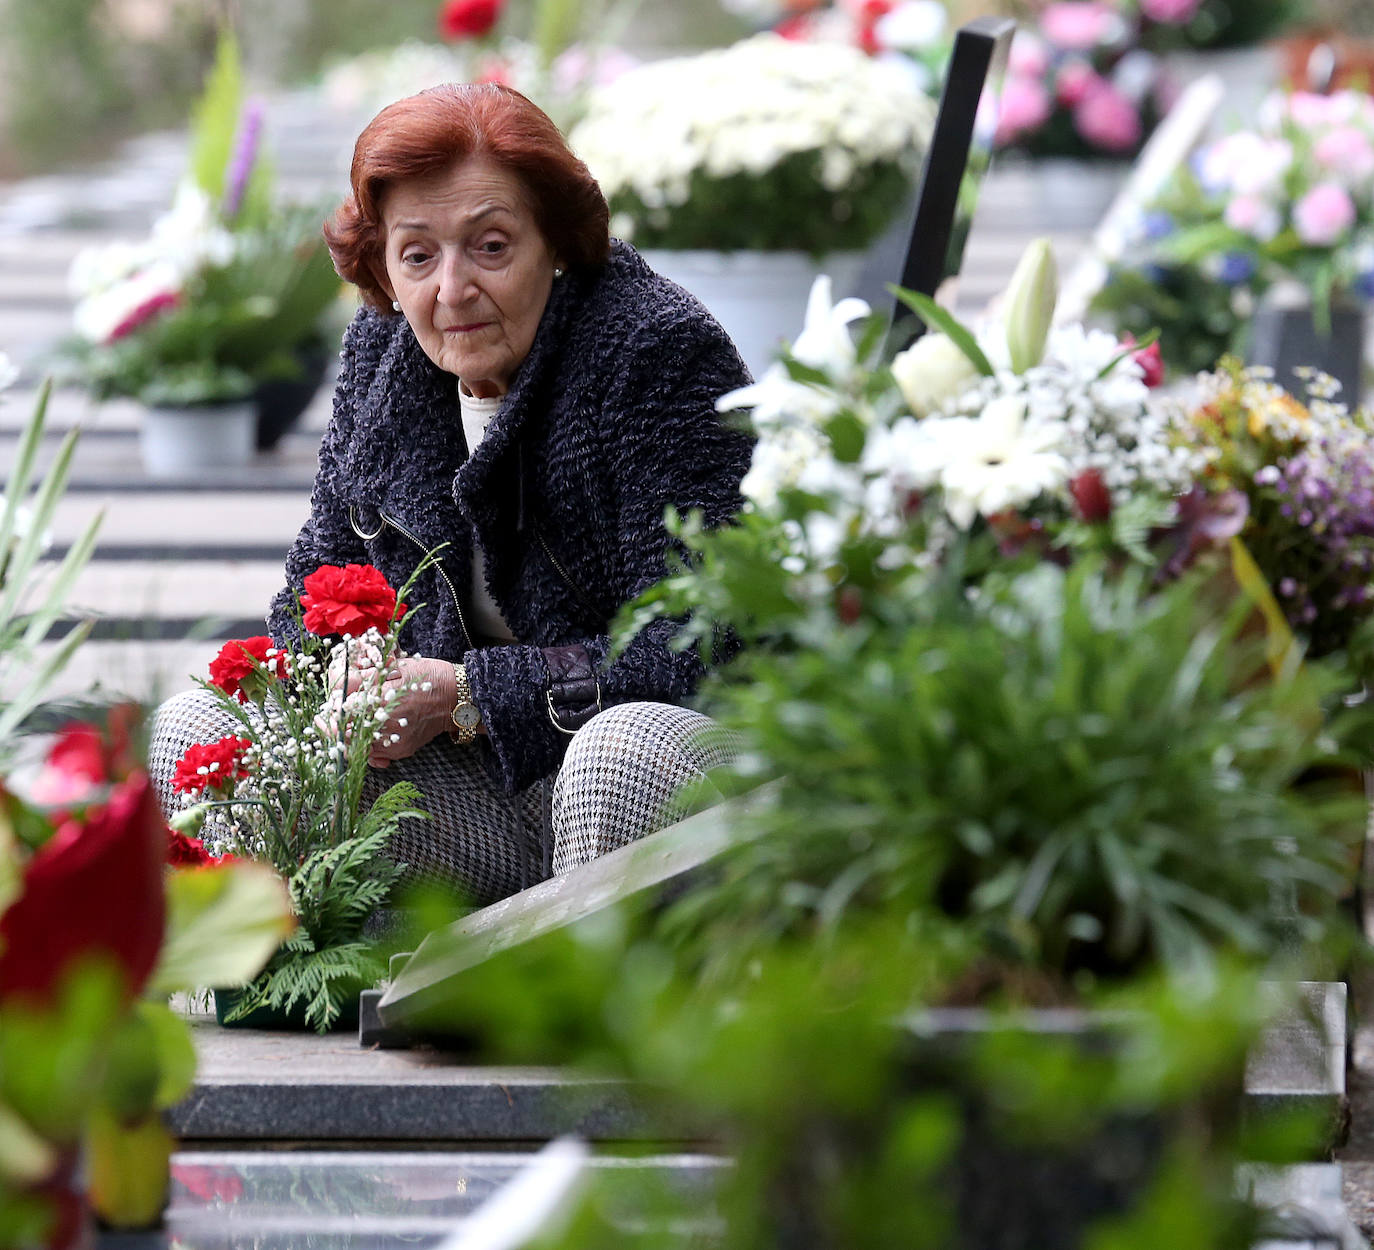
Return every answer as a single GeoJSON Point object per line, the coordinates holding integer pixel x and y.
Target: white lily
{"type": "Point", "coordinates": [1029, 305]}
{"type": "Point", "coordinates": [824, 344]}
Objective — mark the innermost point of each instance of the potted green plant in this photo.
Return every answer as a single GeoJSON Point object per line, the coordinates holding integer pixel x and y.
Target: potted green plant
{"type": "Point", "coordinates": [229, 293]}
{"type": "Point", "coordinates": [743, 172]}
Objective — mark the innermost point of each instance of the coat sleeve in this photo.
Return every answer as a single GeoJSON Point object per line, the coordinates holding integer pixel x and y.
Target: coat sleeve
{"type": "Point", "coordinates": [668, 446]}
{"type": "Point", "coordinates": [327, 537]}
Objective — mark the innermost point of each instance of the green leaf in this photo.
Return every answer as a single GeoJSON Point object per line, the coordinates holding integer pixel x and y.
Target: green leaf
{"type": "Point", "coordinates": [938, 318]}
{"type": "Point", "coordinates": [215, 119]}
{"type": "Point", "coordinates": [170, 1035]}
{"type": "Point", "coordinates": [223, 924]}
{"type": "Point", "coordinates": [1138, 346]}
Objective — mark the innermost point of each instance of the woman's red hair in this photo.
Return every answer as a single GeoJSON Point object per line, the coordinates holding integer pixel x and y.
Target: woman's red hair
{"type": "Point", "coordinates": [427, 133]}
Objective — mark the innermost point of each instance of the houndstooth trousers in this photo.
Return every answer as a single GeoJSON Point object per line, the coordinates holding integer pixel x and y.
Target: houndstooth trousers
{"type": "Point", "coordinates": [622, 778]}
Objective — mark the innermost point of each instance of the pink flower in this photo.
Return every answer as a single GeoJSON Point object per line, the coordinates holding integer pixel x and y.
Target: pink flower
{"type": "Point", "coordinates": [1028, 58]}
{"type": "Point", "coordinates": [142, 313]}
{"type": "Point", "coordinates": [1080, 24]}
{"type": "Point", "coordinates": [1324, 214]}
{"type": "Point", "coordinates": [1108, 120]}
{"type": "Point", "coordinates": [1253, 216]}
{"type": "Point", "coordinates": [1175, 12]}
{"type": "Point", "coordinates": [1025, 106]}
{"type": "Point", "coordinates": [1346, 151]}
{"type": "Point", "coordinates": [1309, 110]}
{"type": "Point", "coordinates": [1076, 78]}
{"type": "Point", "coordinates": [1151, 362]}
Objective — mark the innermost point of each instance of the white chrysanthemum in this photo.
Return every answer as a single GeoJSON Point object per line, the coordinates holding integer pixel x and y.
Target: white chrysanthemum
{"type": "Point", "coordinates": [746, 108]}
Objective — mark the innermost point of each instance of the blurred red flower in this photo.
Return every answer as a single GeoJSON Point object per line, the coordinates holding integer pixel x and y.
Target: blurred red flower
{"type": "Point", "coordinates": [234, 663]}
{"type": "Point", "coordinates": [94, 888]}
{"type": "Point", "coordinates": [468, 19]}
{"type": "Point", "coordinates": [211, 765]}
{"type": "Point", "coordinates": [348, 600]}
{"type": "Point", "coordinates": [1091, 496]}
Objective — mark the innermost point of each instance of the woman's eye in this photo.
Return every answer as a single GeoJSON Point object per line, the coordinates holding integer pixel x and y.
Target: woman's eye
{"type": "Point", "coordinates": [414, 257]}
{"type": "Point", "coordinates": [492, 247]}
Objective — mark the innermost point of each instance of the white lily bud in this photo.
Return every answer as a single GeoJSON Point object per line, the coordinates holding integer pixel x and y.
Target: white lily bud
{"type": "Point", "coordinates": [1028, 307]}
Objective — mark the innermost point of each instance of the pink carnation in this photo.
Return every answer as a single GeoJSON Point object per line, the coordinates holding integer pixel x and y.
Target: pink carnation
{"type": "Point", "coordinates": [1079, 24]}
{"type": "Point", "coordinates": [1174, 12]}
{"type": "Point", "coordinates": [1252, 215]}
{"type": "Point", "coordinates": [142, 313]}
{"type": "Point", "coordinates": [1028, 58]}
{"type": "Point", "coordinates": [1310, 110]}
{"type": "Point", "coordinates": [1324, 214]}
{"type": "Point", "coordinates": [1025, 106]}
{"type": "Point", "coordinates": [1346, 151]}
{"type": "Point", "coordinates": [1075, 80]}
{"type": "Point", "coordinates": [1108, 120]}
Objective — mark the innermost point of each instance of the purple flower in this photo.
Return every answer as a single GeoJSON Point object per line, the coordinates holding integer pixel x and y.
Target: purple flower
{"type": "Point", "coordinates": [244, 158]}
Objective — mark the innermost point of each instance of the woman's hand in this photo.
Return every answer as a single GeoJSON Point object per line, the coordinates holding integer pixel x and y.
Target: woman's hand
{"type": "Point", "coordinates": [424, 692]}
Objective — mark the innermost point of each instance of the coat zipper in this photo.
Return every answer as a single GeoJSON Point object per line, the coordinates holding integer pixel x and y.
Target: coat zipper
{"type": "Point", "coordinates": [563, 573]}
{"type": "Point", "coordinates": [443, 572]}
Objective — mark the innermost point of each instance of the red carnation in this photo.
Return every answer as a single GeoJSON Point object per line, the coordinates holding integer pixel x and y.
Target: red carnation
{"type": "Point", "coordinates": [184, 852]}
{"type": "Point", "coordinates": [233, 666]}
{"type": "Point", "coordinates": [468, 19]}
{"type": "Point", "coordinates": [94, 888]}
{"type": "Point", "coordinates": [1091, 496]}
{"type": "Point", "coordinates": [221, 761]}
{"type": "Point", "coordinates": [348, 600]}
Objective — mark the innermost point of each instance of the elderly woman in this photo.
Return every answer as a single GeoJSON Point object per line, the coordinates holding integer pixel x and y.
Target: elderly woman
{"type": "Point", "coordinates": [524, 389]}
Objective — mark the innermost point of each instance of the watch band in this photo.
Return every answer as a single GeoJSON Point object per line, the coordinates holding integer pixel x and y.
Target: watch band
{"type": "Point", "coordinates": [465, 716]}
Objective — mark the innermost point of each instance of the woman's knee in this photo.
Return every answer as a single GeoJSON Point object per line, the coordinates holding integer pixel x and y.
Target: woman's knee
{"type": "Point", "coordinates": [180, 721]}
{"type": "Point", "coordinates": [624, 773]}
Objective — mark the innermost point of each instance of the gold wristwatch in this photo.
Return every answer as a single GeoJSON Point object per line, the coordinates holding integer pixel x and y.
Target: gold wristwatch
{"type": "Point", "coordinates": [465, 715]}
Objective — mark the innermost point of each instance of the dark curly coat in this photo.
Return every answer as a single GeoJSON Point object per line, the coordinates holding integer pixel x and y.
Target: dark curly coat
{"type": "Point", "coordinates": [609, 419]}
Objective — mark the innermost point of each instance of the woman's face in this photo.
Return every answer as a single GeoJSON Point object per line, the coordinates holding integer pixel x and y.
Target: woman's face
{"type": "Point", "coordinates": [470, 269]}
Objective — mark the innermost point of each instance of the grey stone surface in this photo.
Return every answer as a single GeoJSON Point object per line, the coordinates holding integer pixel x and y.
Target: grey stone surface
{"type": "Point", "coordinates": [435, 970]}
{"type": "Point", "coordinates": [363, 1200]}
{"type": "Point", "coordinates": [1300, 1060]}
{"type": "Point", "coordinates": [255, 1085]}
{"type": "Point", "coordinates": [1303, 1204]}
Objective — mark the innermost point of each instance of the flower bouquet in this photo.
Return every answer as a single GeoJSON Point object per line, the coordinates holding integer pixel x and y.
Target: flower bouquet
{"type": "Point", "coordinates": [1292, 198]}
{"type": "Point", "coordinates": [287, 787]}
{"type": "Point", "coordinates": [554, 58]}
{"type": "Point", "coordinates": [982, 668]}
{"type": "Point", "coordinates": [1301, 475]}
{"type": "Point", "coordinates": [1080, 85]}
{"type": "Point", "coordinates": [767, 145]}
{"type": "Point", "coordinates": [227, 291]}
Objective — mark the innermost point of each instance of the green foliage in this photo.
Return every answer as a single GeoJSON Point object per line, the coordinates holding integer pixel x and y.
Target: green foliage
{"type": "Point", "coordinates": [786, 207]}
{"type": "Point", "coordinates": [32, 597]}
{"type": "Point", "coordinates": [325, 963]}
{"type": "Point", "coordinates": [1080, 767]}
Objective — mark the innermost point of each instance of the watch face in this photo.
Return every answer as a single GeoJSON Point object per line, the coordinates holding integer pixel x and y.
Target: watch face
{"type": "Point", "coordinates": [467, 716]}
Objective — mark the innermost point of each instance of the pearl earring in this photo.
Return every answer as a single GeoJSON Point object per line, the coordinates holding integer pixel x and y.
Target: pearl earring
{"type": "Point", "coordinates": [395, 305]}
{"type": "Point", "coordinates": [557, 273]}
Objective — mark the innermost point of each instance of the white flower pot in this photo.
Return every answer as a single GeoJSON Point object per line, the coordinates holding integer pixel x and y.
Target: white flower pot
{"type": "Point", "coordinates": [759, 297]}
{"type": "Point", "coordinates": [178, 442]}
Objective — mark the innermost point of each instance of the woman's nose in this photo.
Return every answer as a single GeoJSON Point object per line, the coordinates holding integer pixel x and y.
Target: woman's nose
{"type": "Point", "coordinates": [455, 280]}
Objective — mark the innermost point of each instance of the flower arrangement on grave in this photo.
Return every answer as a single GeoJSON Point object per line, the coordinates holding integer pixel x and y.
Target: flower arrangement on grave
{"type": "Point", "coordinates": [553, 51]}
{"type": "Point", "coordinates": [766, 145]}
{"type": "Point", "coordinates": [286, 788]}
{"type": "Point", "coordinates": [966, 577]}
{"type": "Point", "coordinates": [228, 289]}
{"type": "Point", "coordinates": [1301, 475]}
{"type": "Point", "coordinates": [1080, 85]}
{"type": "Point", "coordinates": [916, 29]}
{"type": "Point", "coordinates": [1291, 199]}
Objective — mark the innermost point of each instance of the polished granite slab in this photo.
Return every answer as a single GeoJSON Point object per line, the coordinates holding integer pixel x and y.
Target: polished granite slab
{"type": "Point", "coordinates": [320, 1200]}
